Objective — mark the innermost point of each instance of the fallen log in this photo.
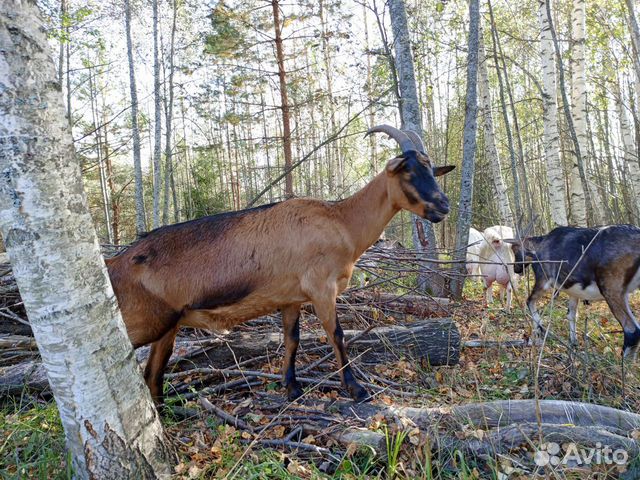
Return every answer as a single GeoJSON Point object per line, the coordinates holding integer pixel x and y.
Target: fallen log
{"type": "Point", "coordinates": [15, 379]}
{"type": "Point", "coordinates": [435, 341]}
{"type": "Point", "coordinates": [500, 413]}
{"type": "Point", "coordinates": [506, 439]}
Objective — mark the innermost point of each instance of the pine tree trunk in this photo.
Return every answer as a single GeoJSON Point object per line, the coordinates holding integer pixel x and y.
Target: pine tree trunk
{"type": "Point", "coordinates": [111, 426]}
{"type": "Point", "coordinates": [502, 199]}
{"type": "Point", "coordinates": [135, 132]}
{"type": "Point", "coordinates": [282, 75]}
{"type": "Point", "coordinates": [468, 149]}
{"type": "Point", "coordinates": [555, 175]}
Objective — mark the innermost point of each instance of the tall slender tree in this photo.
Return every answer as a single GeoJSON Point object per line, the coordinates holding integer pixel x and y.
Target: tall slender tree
{"type": "Point", "coordinates": [502, 199]}
{"type": "Point", "coordinates": [284, 98]}
{"type": "Point", "coordinates": [424, 237]}
{"type": "Point", "coordinates": [111, 426]}
{"type": "Point", "coordinates": [469, 148]}
{"type": "Point", "coordinates": [135, 131]}
{"type": "Point", "coordinates": [157, 125]}
{"type": "Point", "coordinates": [555, 175]}
{"type": "Point", "coordinates": [579, 189]}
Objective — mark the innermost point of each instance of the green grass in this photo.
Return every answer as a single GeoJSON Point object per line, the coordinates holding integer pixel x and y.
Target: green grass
{"type": "Point", "coordinates": [32, 443]}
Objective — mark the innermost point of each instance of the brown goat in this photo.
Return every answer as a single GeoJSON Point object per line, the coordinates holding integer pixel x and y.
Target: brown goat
{"type": "Point", "coordinates": [221, 270]}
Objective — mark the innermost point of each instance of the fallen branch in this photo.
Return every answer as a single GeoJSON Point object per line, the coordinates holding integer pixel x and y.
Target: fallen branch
{"type": "Point", "coordinates": [226, 418]}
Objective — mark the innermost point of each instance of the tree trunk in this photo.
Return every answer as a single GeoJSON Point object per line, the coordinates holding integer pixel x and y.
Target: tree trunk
{"type": "Point", "coordinates": [579, 102]}
{"type": "Point", "coordinates": [629, 154]}
{"type": "Point", "coordinates": [135, 132]}
{"type": "Point", "coordinates": [555, 176]}
{"type": "Point", "coordinates": [282, 75]}
{"type": "Point", "coordinates": [468, 150]}
{"type": "Point", "coordinates": [111, 426]}
{"type": "Point", "coordinates": [106, 200]}
{"type": "Point", "coordinates": [579, 189]}
{"type": "Point", "coordinates": [507, 125]}
{"type": "Point", "coordinates": [157, 144]}
{"type": "Point", "coordinates": [635, 44]}
{"type": "Point", "coordinates": [502, 199]}
{"type": "Point", "coordinates": [63, 15]}
{"type": "Point", "coordinates": [168, 169]}
{"type": "Point", "coordinates": [424, 237]}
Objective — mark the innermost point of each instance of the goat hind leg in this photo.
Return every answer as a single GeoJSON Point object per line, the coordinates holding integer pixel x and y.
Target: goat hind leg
{"type": "Point", "coordinates": [291, 327]}
{"type": "Point", "coordinates": [161, 351]}
{"type": "Point", "coordinates": [326, 311]}
{"type": "Point", "coordinates": [619, 305]}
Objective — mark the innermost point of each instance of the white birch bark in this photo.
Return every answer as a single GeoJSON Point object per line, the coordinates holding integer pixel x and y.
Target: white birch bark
{"type": "Point", "coordinates": [635, 44]}
{"type": "Point", "coordinates": [578, 110]}
{"type": "Point", "coordinates": [629, 152]}
{"type": "Point", "coordinates": [491, 151]}
{"type": "Point", "coordinates": [111, 426]}
{"type": "Point", "coordinates": [555, 176]}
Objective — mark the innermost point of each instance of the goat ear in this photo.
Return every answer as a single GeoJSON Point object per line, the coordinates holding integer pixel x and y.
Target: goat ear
{"type": "Point", "coordinates": [395, 165]}
{"type": "Point", "coordinates": [439, 171]}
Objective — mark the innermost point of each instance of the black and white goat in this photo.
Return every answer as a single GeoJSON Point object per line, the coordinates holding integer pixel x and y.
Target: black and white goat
{"type": "Point", "coordinates": [588, 264]}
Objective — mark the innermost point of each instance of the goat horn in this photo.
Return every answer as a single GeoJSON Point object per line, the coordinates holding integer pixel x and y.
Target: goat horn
{"type": "Point", "coordinates": [399, 136]}
{"type": "Point", "coordinates": [417, 141]}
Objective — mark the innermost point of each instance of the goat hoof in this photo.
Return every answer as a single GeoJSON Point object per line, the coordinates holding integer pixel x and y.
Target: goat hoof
{"type": "Point", "coordinates": [294, 391]}
{"type": "Point", "coordinates": [358, 393]}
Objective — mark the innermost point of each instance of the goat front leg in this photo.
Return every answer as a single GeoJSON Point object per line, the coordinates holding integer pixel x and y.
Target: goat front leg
{"type": "Point", "coordinates": [291, 327]}
{"type": "Point", "coordinates": [326, 311]}
{"type": "Point", "coordinates": [159, 356]}
{"type": "Point", "coordinates": [533, 309]}
{"type": "Point", "coordinates": [488, 292]}
{"type": "Point", "coordinates": [571, 316]}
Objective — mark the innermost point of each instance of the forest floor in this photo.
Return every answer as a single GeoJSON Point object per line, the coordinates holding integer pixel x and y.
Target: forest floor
{"type": "Point", "coordinates": [273, 438]}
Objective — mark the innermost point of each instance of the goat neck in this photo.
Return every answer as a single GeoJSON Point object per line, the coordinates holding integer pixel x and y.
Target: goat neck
{"type": "Point", "coordinates": [367, 212]}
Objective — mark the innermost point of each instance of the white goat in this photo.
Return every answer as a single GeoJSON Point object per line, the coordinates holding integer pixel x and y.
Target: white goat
{"type": "Point", "coordinates": [501, 270]}
{"type": "Point", "coordinates": [476, 239]}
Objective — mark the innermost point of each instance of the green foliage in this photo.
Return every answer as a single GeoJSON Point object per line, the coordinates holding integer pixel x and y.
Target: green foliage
{"type": "Point", "coordinates": [226, 37]}
{"type": "Point", "coordinates": [205, 197]}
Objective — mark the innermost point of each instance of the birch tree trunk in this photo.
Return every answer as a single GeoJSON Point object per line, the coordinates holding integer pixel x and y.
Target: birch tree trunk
{"type": "Point", "coordinates": [629, 154]}
{"type": "Point", "coordinates": [157, 134]}
{"type": "Point", "coordinates": [468, 150]}
{"type": "Point", "coordinates": [424, 237]}
{"type": "Point", "coordinates": [555, 176]}
{"type": "Point", "coordinates": [135, 132]}
{"type": "Point", "coordinates": [635, 44]}
{"type": "Point", "coordinates": [579, 190]}
{"type": "Point", "coordinates": [111, 426]}
{"type": "Point", "coordinates": [282, 75]}
{"type": "Point", "coordinates": [502, 199]}
{"type": "Point", "coordinates": [578, 108]}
